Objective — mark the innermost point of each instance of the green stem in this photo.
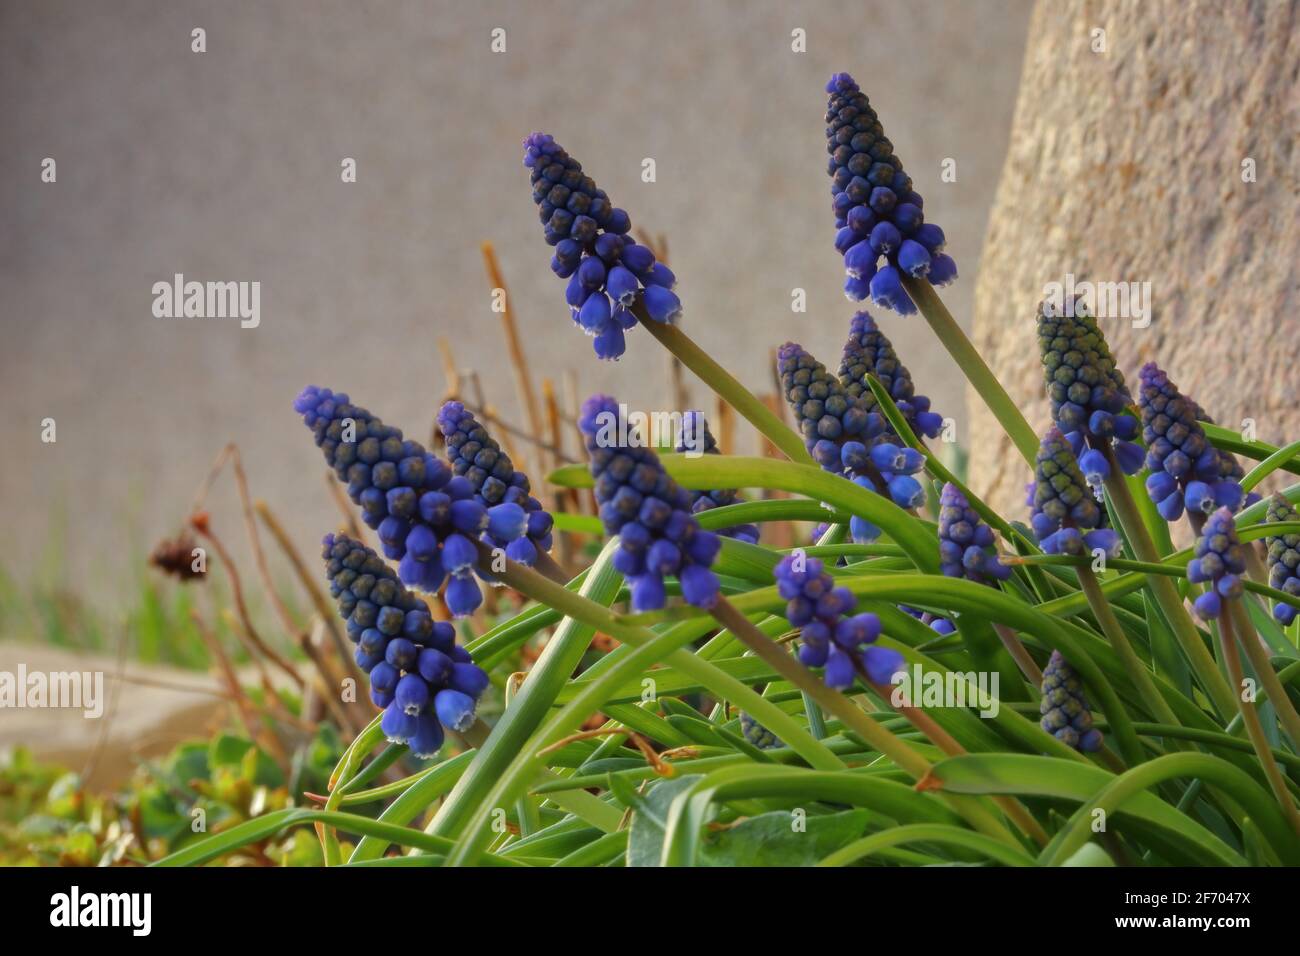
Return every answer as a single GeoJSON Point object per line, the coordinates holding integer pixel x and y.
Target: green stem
{"type": "Point", "coordinates": [1166, 594]}
{"type": "Point", "coordinates": [1259, 660]}
{"type": "Point", "coordinates": [1011, 641]}
{"type": "Point", "coordinates": [721, 381]}
{"type": "Point", "coordinates": [1254, 729]}
{"type": "Point", "coordinates": [849, 713]}
{"type": "Point", "coordinates": [973, 367]}
{"type": "Point", "coordinates": [1110, 626]}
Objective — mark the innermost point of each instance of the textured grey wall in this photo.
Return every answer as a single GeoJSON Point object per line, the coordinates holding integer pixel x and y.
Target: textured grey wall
{"type": "Point", "coordinates": [225, 166]}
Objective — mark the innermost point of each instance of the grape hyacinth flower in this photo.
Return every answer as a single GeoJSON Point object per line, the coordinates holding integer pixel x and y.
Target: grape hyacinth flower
{"type": "Point", "coordinates": [1066, 519]}
{"type": "Point", "coordinates": [877, 212]}
{"type": "Point", "coordinates": [419, 677]}
{"type": "Point", "coordinates": [846, 438]}
{"type": "Point", "coordinates": [649, 512]}
{"type": "Point", "coordinates": [1220, 560]}
{"type": "Point", "coordinates": [1284, 559]}
{"type": "Point", "coordinates": [1086, 390]}
{"type": "Point", "coordinates": [694, 424]}
{"type": "Point", "coordinates": [608, 272]}
{"type": "Point", "coordinates": [427, 518]}
{"type": "Point", "coordinates": [1187, 472]}
{"type": "Point", "coordinates": [757, 734]}
{"type": "Point", "coordinates": [965, 542]}
{"type": "Point", "coordinates": [473, 453]}
{"type": "Point", "coordinates": [1064, 708]}
{"type": "Point", "coordinates": [869, 352]}
{"type": "Point", "coordinates": [844, 645]}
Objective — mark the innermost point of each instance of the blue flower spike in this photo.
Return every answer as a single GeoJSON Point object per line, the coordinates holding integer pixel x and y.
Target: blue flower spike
{"type": "Point", "coordinates": [966, 544]}
{"type": "Point", "coordinates": [1187, 472]}
{"type": "Point", "coordinates": [1284, 559]}
{"type": "Point", "coordinates": [869, 352]}
{"type": "Point", "coordinates": [1086, 389]}
{"type": "Point", "coordinates": [846, 438]}
{"type": "Point", "coordinates": [609, 274]}
{"type": "Point", "coordinates": [1219, 561]}
{"type": "Point", "coordinates": [832, 636]}
{"type": "Point", "coordinates": [1065, 516]}
{"type": "Point", "coordinates": [882, 232]}
{"type": "Point", "coordinates": [1064, 708]}
{"type": "Point", "coordinates": [522, 531]}
{"type": "Point", "coordinates": [649, 512]}
{"type": "Point", "coordinates": [427, 518]}
{"type": "Point", "coordinates": [419, 677]}
{"type": "Point", "coordinates": [695, 438]}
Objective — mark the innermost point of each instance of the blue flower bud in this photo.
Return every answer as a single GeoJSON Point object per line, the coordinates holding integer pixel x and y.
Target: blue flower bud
{"type": "Point", "coordinates": [427, 739]}
{"type": "Point", "coordinates": [906, 491]}
{"type": "Point", "coordinates": [433, 665]}
{"type": "Point", "coordinates": [397, 725]}
{"type": "Point", "coordinates": [462, 595]}
{"type": "Point", "coordinates": [412, 694]}
{"type": "Point", "coordinates": [662, 304]}
{"type": "Point", "coordinates": [1094, 466]}
{"type": "Point", "coordinates": [455, 709]}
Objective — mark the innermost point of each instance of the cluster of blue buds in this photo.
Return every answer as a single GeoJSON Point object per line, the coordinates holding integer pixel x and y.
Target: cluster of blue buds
{"type": "Point", "coordinates": [1066, 517]}
{"type": "Point", "coordinates": [650, 513]}
{"type": "Point", "coordinates": [1087, 390]}
{"type": "Point", "coordinates": [609, 273]}
{"type": "Point", "coordinates": [695, 437]}
{"type": "Point", "coordinates": [936, 623]}
{"type": "Point", "coordinates": [1064, 708]}
{"type": "Point", "coordinates": [427, 519]}
{"type": "Point", "coordinates": [757, 734]}
{"type": "Point", "coordinates": [420, 678]}
{"type": "Point", "coordinates": [1284, 559]}
{"type": "Point", "coordinates": [1220, 560]}
{"type": "Point", "coordinates": [965, 542]}
{"type": "Point", "coordinates": [1187, 472]}
{"type": "Point", "coordinates": [474, 454]}
{"type": "Point", "coordinates": [832, 636]}
{"type": "Point", "coordinates": [869, 352]}
{"type": "Point", "coordinates": [846, 438]}
{"type": "Point", "coordinates": [877, 212]}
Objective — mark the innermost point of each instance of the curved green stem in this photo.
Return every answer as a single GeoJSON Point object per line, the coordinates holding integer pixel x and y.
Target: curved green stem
{"type": "Point", "coordinates": [1112, 796]}
{"type": "Point", "coordinates": [1110, 626]}
{"type": "Point", "coordinates": [1254, 729]}
{"type": "Point", "coordinates": [1166, 595]}
{"type": "Point", "coordinates": [721, 381]}
{"type": "Point", "coordinates": [973, 366]}
{"type": "Point", "coordinates": [860, 849]}
{"type": "Point", "coordinates": [1259, 660]}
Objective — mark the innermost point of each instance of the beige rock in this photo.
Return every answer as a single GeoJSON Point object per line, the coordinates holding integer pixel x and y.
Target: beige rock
{"type": "Point", "coordinates": [1129, 164]}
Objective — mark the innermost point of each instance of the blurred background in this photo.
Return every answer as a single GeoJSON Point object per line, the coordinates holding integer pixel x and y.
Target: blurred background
{"type": "Point", "coordinates": [225, 166]}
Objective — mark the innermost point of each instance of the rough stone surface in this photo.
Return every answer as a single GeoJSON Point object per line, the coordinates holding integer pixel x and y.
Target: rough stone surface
{"type": "Point", "coordinates": [1126, 165]}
